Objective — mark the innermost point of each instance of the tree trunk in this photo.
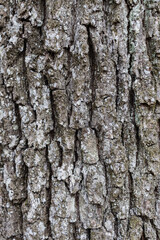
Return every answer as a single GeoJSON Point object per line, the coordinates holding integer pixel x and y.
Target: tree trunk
{"type": "Point", "coordinates": [80, 119]}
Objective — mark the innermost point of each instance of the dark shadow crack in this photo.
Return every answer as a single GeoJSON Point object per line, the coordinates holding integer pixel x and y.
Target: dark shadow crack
{"type": "Point", "coordinates": [49, 192]}
{"type": "Point", "coordinates": [60, 154]}
{"type": "Point", "coordinates": [53, 114]}
{"type": "Point", "coordinates": [116, 222]}
{"type": "Point", "coordinates": [43, 10]}
{"type": "Point", "coordinates": [159, 132]}
{"type": "Point", "coordinates": [18, 119]}
{"type": "Point", "coordinates": [77, 205]}
{"type": "Point", "coordinates": [74, 231]}
{"type": "Point", "coordinates": [143, 234]}
{"type": "Point", "coordinates": [132, 103]}
{"type": "Point", "coordinates": [132, 109]}
{"type": "Point", "coordinates": [76, 145]}
{"type": "Point", "coordinates": [93, 68]}
{"type": "Point", "coordinates": [68, 80]}
{"type": "Point", "coordinates": [131, 196]}
{"type": "Point", "coordinates": [122, 134]}
{"type": "Point", "coordinates": [137, 143]}
{"type": "Point", "coordinates": [117, 85]}
{"type": "Point", "coordinates": [89, 233]}
{"type": "Point", "coordinates": [26, 184]}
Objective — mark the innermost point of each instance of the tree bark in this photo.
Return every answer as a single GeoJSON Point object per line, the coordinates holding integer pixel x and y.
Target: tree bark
{"type": "Point", "coordinates": [80, 119]}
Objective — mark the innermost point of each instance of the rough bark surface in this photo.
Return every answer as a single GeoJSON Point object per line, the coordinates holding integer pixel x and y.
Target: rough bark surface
{"type": "Point", "coordinates": [80, 119]}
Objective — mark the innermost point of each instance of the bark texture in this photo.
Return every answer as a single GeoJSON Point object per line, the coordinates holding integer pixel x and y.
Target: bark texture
{"type": "Point", "coordinates": [80, 119]}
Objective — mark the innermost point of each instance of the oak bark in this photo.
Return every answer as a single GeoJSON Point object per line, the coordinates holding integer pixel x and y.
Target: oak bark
{"type": "Point", "coordinates": [79, 119]}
